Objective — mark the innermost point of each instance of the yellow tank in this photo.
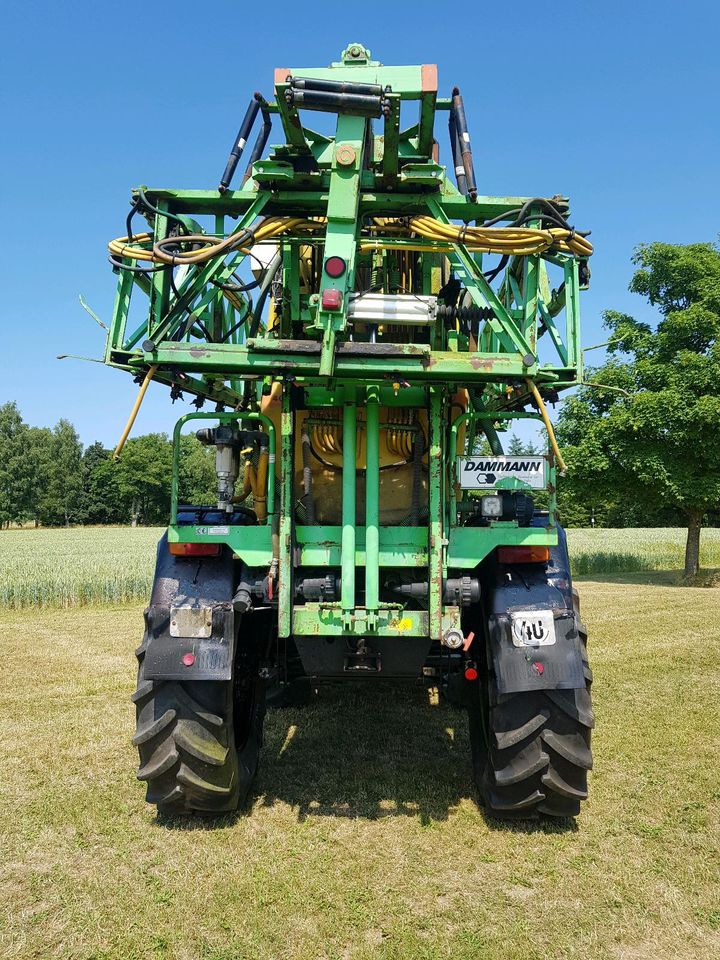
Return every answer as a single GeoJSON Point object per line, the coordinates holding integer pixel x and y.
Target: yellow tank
{"type": "Point", "coordinates": [398, 426]}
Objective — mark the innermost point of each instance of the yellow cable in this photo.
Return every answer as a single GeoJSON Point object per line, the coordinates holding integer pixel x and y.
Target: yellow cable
{"type": "Point", "coordinates": [548, 425]}
{"type": "Point", "coordinates": [134, 412]}
{"type": "Point", "coordinates": [516, 241]}
{"type": "Point", "coordinates": [519, 241]}
{"type": "Point", "coordinates": [261, 483]}
{"type": "Point", "coordinates": [210, 246]}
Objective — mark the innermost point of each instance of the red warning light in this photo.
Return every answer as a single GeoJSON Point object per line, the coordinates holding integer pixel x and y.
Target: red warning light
{"type": "Point", "coordinates": [335, 267]}
{"type": "Point", "coordinates": [471, 673]}
{"type": "Point", "coordinates": [331, 299]}
{"type": "Point", "coordinates": [188, 659]}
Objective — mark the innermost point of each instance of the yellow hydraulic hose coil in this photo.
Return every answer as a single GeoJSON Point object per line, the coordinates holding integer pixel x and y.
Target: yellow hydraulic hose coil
{"type": "Point", "coordinates": [513, 241]}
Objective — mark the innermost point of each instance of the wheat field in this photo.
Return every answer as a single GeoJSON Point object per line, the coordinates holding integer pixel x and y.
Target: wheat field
{"type": "Point", "coordinates": [84, 566]}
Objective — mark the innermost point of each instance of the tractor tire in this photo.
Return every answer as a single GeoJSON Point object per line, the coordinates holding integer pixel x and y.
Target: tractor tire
{"type": "Point", "coordinates": [199, 741]}
{"type": "Point", "coordinates": [536, 754]}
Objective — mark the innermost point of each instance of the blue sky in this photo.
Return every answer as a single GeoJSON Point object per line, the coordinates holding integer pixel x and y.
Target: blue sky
{"type": "Point", "coordinates": [614, 104]}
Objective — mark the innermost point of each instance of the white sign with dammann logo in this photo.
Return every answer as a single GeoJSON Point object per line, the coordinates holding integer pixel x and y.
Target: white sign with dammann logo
{"type": "Point", "coordinates": [484, 473]}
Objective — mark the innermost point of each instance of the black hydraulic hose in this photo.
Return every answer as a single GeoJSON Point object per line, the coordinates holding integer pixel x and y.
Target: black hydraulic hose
{"type": "Point", "coordinates": [272, 268]}
{"type": "Point", "coordinates": [458, 110]}
{"type": "Point", "coordinates": [119, 265]}
{"type": "Point", "coordinates": [236, 287]}
{"type": "Point", "coordinates": [240, 141]}
{"type": "Point", "coordinates": [160, 213]}
{"type": "Point", "coordinates": [260, 143]}
{"type": "Point", "coordinates": [236, 326]}
{"type": "Point", "coordinates": [128, 222]}
{"type": "Point", "coordinates": [493, 438]}
{"type": "Point", "coordinates": [488, 428]}
{"type": "Point", "coordinates": [460, 177]}
{"type": "Point", "coordinates": [491, 274]}
{"type": "Point", "coordinates": [308, 498]}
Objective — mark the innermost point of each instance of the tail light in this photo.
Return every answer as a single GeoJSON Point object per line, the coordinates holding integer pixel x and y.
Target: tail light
{"type": "Point", "coordinates": [523, 554]}
{"type": "Point", "coordinates": [194, 549]}
{"type": "Point", "coordinates": [335, 267]}
{"type": "Point", "coordinates": [331, 299]}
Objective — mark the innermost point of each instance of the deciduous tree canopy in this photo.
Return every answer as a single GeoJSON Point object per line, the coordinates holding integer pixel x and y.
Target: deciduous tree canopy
{"type": "Point", "coordinates": [648, 434]}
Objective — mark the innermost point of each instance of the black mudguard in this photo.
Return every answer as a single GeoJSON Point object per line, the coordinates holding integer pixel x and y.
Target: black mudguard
{"type": "Point", "coordinates": [205, 585]}
{"type": "Point", "coordinates": [514, 587]}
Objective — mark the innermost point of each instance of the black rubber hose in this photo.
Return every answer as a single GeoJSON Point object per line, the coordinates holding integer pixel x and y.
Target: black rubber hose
{"type": "Point", "coordinates": [119, 265]}
{"type": "Point", "coordinates": [128, 222]}
{"type": "Point", "coordinates": [160, 213]}
{"type": "Point", "coordinates": [272, 268]}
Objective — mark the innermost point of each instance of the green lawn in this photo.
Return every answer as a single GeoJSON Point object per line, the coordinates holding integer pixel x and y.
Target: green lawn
{"type": "Point", "coordinates": [364, 839]}
{"type": "Point", "coordinates": [99, 565]}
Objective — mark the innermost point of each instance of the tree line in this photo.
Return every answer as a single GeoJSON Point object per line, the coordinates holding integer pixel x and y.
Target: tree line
{"type": "Point", "coordinates": [48, 478]}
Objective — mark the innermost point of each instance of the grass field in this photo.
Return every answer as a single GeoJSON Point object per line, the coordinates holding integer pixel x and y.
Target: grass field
{"type": "Point", "coordinates": [98, 565]}
{"type": "Point", "coordinates": [364, 839]}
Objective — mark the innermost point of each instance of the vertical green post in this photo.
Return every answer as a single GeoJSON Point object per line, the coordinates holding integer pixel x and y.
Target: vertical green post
{"type": "Point", "coordinates": [348, 508]}
{"type": "Point", "coordinates": [342, 226]}
{"type": "Point", "coordinates": [287, 473]}
{"type": "Point", "coordinates": [572, 314]}
{"type": "Point", "coordinates": [437, 541]}
{"type": "Point", "coordinates": [160, 280]}
{"type": "Point", "coordinates": [372, 506]}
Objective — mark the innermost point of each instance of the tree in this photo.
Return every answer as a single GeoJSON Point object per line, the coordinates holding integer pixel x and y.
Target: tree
{"type": "Point", "coordinates": [648, 434]}
{"type": "Point", "coordinates": [40, 453]}
{"type": "Point", "coordinates": [143, 475]}
{"type": "Point", "coordinates": [60, 460]}
{"type": "Point", "coordinates": [100, 501]}
{"type": "Point", "coordinates": [15, 465]}
{"type": "Point", "coordinates": [197, 481]}
{"type": "Point", "coordinates": [516, 447]}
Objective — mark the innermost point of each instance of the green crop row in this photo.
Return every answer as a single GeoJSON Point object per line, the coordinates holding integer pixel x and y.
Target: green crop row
{"type": "Point", "coordinates": [111, 565]}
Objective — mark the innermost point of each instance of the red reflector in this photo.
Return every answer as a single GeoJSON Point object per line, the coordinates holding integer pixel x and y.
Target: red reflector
{"type": "Point", "coordinates": [194, 549]}
{"type": "Point", "coordinates": [335, 267]}
{"type": "Point", "coordinates": [523, 554]}
{"type": "Point", "coordinates": [189, 659]}
{"type": "Point", "coordinates": [331, 299]}
{"type": "Point", "coordinates": [471, 673]}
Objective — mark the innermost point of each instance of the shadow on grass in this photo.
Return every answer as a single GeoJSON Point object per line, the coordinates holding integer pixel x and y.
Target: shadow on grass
{"type": "Point", "coordinates": [367, 751]}
{"type": "Point", "coordinates": [373, 751]}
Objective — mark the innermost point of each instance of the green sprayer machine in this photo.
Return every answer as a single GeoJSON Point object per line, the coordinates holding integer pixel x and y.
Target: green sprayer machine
{"type": "Point", "coordinates": [357, 331]}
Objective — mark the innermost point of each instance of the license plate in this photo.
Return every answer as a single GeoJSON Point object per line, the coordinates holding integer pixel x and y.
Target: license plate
{"type": "Point", "coordinates": [191, 621]}
{"type": "Point", "coordinates": [532, 628]}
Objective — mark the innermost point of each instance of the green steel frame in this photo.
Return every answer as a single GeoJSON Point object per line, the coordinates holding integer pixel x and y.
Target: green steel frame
{"type": "Point", "coordinates": [203, 343]}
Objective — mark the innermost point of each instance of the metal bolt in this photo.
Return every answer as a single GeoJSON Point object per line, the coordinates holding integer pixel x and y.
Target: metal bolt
{"type": "Point", "coordinates": [453, 639]}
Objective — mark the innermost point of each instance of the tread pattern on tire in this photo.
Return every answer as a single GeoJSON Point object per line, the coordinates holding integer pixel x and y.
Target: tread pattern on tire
{"type": "Point", "coordinates": [539, 752]}
{"type": "Point", "coordinates": [185, 739]}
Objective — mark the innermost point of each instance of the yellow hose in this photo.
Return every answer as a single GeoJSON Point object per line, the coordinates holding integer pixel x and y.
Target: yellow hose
{"type": "Point", "coordinates": [548, 425]}
{"type": "Point", "coordinates": [134, 412]}
{"type": "Point", "coordinates": [260, 489]}
{"type": "Point", "coordinates": [515, 241]}
{"type": "Point", "coordinates": [210, 246]}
